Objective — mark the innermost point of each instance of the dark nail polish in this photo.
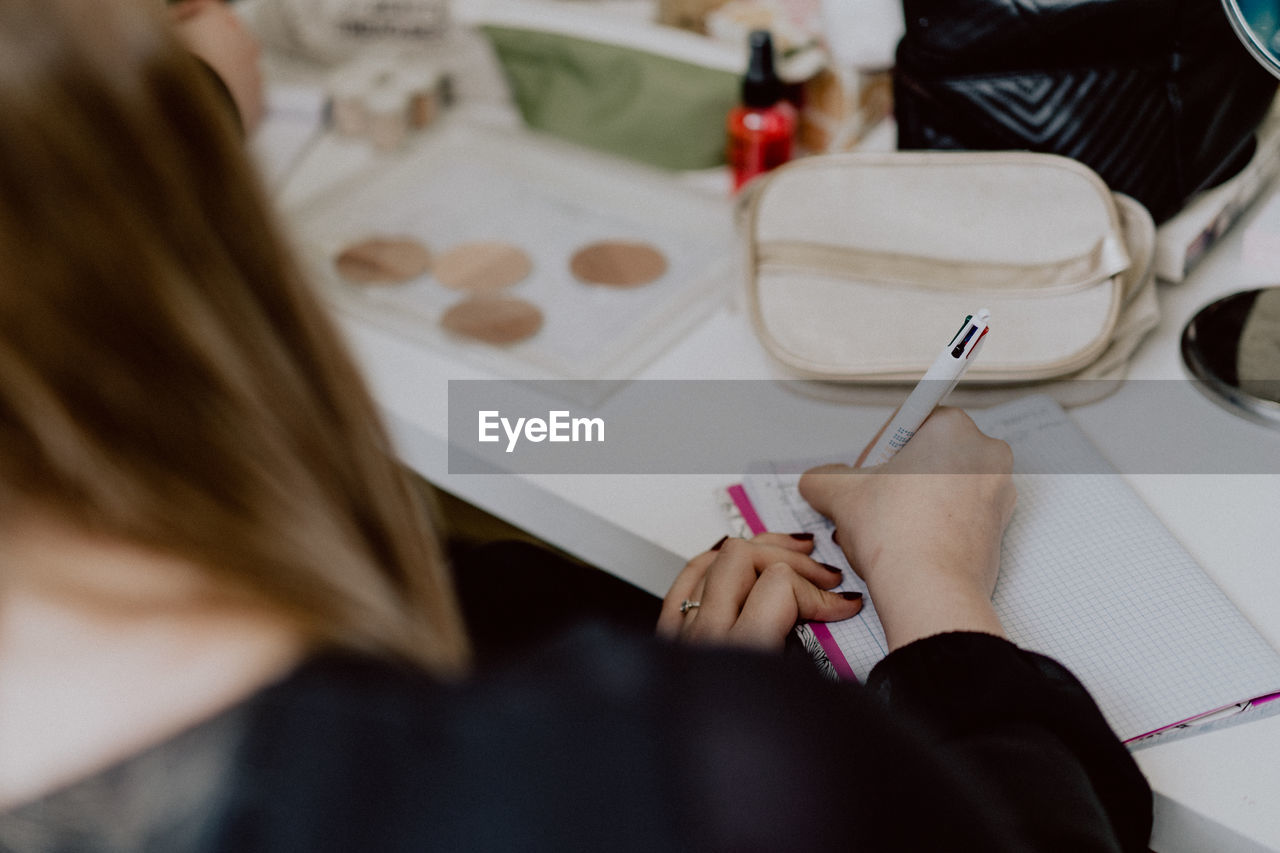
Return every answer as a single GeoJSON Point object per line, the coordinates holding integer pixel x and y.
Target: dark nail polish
{"type": "Point", "coordinates": [716, 547]}
{"type": "Point", "coordinates": [851, 596]}
{"type": "Point", "coordinates": [834, 538]}
{"type": "Point", "coordinates": [831, 568]}
{"type": "Point", "coordinates": [803, 537]}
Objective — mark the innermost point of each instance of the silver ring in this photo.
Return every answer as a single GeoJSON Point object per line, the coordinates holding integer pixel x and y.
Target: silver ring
{"type": "Point", "coordinates": [687, 605]}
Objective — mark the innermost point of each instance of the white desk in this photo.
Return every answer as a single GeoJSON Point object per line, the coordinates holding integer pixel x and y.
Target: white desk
{"type": "Point", "coordinates": [1218, 791]}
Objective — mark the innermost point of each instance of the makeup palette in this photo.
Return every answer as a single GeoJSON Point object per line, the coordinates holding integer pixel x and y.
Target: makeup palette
{"type": "Point", "coordinates": [547, 260]}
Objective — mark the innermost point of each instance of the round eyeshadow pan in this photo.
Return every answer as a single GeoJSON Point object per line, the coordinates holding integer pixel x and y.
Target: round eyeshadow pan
{"type": "Point", "coordinates": [383, 260]}
{"type": "Point", "coordinates": [493, 319]}
{"type": "Point", "coordinates": [617, 263]}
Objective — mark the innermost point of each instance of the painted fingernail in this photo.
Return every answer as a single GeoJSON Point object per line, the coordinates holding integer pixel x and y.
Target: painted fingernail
{"type": "Point", "coordinates": [803, 537]}
{"type": "Point", "coordinates": [835, 538]}
{"type": "Point", "coordinates": [831, 568]}
{"type": "Point", "coordinates": [851, 596]}
{"type": "Point", "coordinates": [716, 547]}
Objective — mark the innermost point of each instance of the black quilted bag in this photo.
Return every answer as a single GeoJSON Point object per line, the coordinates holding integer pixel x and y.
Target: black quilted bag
{"type": "Point", "coordinates": [1157, 96]}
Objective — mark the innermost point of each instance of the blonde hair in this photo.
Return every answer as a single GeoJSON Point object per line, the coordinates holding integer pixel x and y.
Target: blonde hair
{"type": "Point", "coordinates": [166, 377]}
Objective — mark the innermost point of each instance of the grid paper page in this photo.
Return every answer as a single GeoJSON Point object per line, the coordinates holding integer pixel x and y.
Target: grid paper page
{"type": "Point", "coordinates": [1089, 576]}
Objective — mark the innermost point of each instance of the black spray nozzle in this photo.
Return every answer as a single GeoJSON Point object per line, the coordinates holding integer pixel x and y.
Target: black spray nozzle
{"type": "Point", "coordinates": [761, 86]}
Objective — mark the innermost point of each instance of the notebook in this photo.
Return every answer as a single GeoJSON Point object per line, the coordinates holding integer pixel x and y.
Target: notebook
{"type": "Point", "coordinates": [1089, 576]}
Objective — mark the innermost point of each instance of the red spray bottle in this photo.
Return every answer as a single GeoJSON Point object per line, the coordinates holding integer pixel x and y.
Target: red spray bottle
{"type": "Point", "coordinates": [762, 128]}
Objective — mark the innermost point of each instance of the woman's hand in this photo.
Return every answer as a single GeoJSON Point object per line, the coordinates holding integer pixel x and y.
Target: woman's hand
{"type": "Point", "coordinates": [214, 33]}
{"type": "Point", "coordinates": [924, 529]}
{"type": "Point", "coordinates": [752, 592]}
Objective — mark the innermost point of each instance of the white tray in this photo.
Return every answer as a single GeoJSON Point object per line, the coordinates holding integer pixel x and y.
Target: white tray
{"type": "Point", "coordinates": [465, 183]}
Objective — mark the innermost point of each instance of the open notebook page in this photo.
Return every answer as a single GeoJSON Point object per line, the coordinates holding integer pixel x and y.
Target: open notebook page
{"type": "Point", "coordinates": [1089, 576]}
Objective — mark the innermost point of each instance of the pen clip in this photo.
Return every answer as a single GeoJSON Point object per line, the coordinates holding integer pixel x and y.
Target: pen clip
{"type": "Point", "coordinates": [965, 322]}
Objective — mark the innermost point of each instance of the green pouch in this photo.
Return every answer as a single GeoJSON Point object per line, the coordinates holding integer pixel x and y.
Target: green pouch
{"type": "Point", "coordinates": [626, 101]}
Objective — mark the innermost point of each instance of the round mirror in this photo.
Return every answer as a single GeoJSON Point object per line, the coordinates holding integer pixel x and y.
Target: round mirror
{"type": "Point", "coordinates": [1257, 23]}
{"type": "Point", "coordinates": [1233, 347]}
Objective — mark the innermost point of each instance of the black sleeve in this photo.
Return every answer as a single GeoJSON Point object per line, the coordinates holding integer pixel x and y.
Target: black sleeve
{"type": "Point", "coordinates": [1033, 742]}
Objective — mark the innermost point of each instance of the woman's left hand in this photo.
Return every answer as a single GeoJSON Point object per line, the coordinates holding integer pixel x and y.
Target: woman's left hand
{"type": "Point", "coordinates": [751, 592]}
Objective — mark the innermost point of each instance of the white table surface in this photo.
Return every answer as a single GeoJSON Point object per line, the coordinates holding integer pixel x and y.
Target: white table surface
{"type": "Point", "coordinates": [1219, 791]}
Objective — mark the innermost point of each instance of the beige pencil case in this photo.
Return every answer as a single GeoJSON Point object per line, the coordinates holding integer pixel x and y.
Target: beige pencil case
{"type": "Point", "coordinates": [858, 265]}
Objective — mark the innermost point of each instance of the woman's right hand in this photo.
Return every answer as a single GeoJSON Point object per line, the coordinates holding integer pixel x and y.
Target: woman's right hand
{"type": "Point", "coordinates": [924, 529]}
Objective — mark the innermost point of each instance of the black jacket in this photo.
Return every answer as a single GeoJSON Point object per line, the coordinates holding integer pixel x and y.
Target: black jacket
{"type": "Point", "coordinates": [608, 742]}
